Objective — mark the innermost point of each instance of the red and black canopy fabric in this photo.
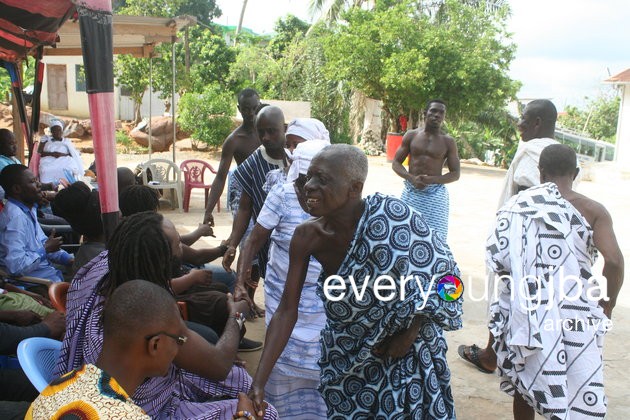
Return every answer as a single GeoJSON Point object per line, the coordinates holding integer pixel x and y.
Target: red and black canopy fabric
{"type": "Point", "coordinates": [27, 24]}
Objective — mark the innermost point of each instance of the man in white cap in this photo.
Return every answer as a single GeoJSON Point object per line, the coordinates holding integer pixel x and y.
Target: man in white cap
{"type": "Point", "coordinates": [292, 386]}
{"type": "Point", "coordinates": [59, 158]}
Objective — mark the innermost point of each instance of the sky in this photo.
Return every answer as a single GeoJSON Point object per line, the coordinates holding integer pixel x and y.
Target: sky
{"type": "Point", "coordinates": [565, 48]}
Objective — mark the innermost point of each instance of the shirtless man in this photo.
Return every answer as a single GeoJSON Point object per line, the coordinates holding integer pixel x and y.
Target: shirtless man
{"type": "Point", "coordinates": [428, 148]}
{"type": "Point", "coordinates": [239, 145]}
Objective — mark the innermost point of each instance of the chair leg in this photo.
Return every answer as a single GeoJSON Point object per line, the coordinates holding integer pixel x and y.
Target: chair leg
{"type": "Point", "coordinates": [186, 204]}
{"type": "Point", "coordinates": [180, 197]}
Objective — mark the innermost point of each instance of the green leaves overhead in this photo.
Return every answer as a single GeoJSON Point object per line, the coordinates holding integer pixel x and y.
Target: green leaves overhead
{"type": "Point", "coordinates": [405, 56]}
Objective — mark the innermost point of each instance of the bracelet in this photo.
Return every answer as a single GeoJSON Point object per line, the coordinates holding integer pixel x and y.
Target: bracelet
{"type": "Point", "coordinates": [243, 414]}
{"type": "Point", "coordinates": [240, 319]}
{"type": "Point", "coordinates": [223, 249]}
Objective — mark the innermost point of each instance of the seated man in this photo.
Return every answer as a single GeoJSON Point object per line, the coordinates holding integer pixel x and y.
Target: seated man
{"type": "Point", "coordinates": [58, 156]}
{"type": "Point", "coordinates": [546, 319]}
{"type": "Point", "coordinates": [383, 352]}
{"type": "Point", "coordinates": [139, 341]}
{"type": "Point", "coordinates": [24, 248]}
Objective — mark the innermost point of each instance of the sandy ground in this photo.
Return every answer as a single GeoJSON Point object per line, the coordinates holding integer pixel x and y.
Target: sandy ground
{"type": "Point", "coordinates": [473, 203]}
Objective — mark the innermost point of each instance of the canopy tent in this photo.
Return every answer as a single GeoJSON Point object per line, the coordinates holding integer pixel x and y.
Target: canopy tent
{"type": "Point", "coordinates": [27, 26]}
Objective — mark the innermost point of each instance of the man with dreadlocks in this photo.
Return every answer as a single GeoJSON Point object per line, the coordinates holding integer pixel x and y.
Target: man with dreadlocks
{"type": "Point", "coordinates": [143, 246]}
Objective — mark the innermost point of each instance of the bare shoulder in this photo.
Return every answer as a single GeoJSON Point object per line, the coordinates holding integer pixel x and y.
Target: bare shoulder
{"type": "Point", "coordinates": [448, 139]}
{"type": "Point", "coordinates": [309, 234]}
{"type": "Point", "coordinates": [592, 210]}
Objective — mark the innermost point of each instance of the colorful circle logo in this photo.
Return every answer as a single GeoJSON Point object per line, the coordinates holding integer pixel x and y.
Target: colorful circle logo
{"type": "Point", "coordinates": [450, 288]}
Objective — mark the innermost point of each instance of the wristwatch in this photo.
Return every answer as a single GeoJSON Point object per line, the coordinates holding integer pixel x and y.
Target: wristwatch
{"type": "Point", "coordinates": [240, 319]}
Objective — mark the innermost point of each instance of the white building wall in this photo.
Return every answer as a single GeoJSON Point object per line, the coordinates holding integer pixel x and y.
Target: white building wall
{"type": "Point", "coordinates": [622, 152]}
{"type": "Point", "coordinates": [77, 101]}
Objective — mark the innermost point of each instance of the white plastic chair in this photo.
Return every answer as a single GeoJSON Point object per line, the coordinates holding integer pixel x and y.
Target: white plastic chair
{"type": "Point", "coordinates": [165, 175]}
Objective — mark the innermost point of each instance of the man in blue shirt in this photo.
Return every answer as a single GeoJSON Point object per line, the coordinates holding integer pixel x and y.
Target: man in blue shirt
{"type": "Point", "coordinates": [24, 248]}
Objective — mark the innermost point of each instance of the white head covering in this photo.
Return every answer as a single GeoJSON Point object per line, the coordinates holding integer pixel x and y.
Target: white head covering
{"type": "Point", "coordinates": [56, 123]}
{"type": "Point", "coordinates": [302, 156]}
{"type": "Point", "coordinates": [308, 129]}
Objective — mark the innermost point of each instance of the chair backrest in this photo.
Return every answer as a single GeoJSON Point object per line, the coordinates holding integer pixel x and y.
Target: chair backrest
{"type": "Point", "coordinates": [162, 170]}
{"type": "Point", "coordinates": [194, 171]}
{"type": "Point", "coordinates": [38, 358]}
{"type": "Point", "coordinates": [58, 293]}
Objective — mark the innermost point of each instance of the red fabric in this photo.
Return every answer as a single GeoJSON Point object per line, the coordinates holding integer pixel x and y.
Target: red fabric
{"type": "Point", "coordinates": [46, 8]}
{"type": "Point", "coordinates": [102, 113]}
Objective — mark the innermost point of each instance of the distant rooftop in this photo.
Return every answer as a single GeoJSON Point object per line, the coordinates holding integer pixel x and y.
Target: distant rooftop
{"type": "Point", "coordinates": [621, 78]}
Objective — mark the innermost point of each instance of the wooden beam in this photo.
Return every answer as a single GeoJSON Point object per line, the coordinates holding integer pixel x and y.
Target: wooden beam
{"type": "Point", "coordinates": [142, 51]}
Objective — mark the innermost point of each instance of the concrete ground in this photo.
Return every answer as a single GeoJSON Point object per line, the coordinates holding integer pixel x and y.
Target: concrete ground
{"type": "Point", "coordinates": [473, 204]}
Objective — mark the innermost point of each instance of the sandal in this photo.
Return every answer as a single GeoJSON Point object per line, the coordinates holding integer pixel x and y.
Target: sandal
{"type": "Point", "coordinates": [472, 357]}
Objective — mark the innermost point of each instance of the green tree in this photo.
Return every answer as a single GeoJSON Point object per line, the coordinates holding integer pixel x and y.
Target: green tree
{"type": "Point", "coordinates": [203, 10]}
{"type": "Point", "coordinates": [287, 29]}
{"type": "Point", "coordinates": [598, 119]}
{"type": "Point", "coordinates": [404, 57]}
{"type": "Point", "coordinates": [207, 115]}
{"type": "Point", "coordinates": [133, 74]}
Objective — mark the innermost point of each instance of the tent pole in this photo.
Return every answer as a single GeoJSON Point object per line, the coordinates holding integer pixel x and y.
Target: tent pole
{"type": "Point", "coordinates": [173, 108]}
{"type": "Point", "coordinates": [150, 101]}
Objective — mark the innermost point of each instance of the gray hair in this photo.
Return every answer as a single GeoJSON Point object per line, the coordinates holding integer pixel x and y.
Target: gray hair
{"type": "Point", "coordinates": [354, 163]}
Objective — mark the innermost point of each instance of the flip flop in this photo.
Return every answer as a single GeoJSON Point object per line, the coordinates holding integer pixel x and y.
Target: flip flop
{"type": "Point", "coordinates": [473, 358]}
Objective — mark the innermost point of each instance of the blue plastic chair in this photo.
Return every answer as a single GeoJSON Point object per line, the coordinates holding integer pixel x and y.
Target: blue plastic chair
{"type": "Point", "coordinates": [38, 358]}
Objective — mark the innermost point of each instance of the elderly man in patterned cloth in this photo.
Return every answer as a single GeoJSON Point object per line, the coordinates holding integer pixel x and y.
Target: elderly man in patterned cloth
{"type": "Point", "coordinates": [549, 315]}
{"type": "Point", "coordinates": [383, 347]}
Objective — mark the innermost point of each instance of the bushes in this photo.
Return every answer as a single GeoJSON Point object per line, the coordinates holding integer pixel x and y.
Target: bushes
{"type": "Point", "coordinates": [207, 115]}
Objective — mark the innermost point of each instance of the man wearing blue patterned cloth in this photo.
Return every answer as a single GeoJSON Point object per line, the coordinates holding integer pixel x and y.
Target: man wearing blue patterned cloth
{"type": "Point", "coordinates": [428, 149]}
{"type": "Point", "coordinates": [383, 347]}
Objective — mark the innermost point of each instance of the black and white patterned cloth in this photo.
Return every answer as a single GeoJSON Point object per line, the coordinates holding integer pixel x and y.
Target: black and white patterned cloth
{"type": "Point", "coordinates": [391, 239]}
{"type": "Point", "coordinates": [548, 328]}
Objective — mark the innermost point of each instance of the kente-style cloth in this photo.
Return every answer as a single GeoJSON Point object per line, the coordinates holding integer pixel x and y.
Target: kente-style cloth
{"type": "Point", "coordinates": [86, 393]}
{"type": "Point", "coordinates": [390, 239]}
{"type": "Point", "coordinates": [233, 193]}
{"type": "Point", "coordinates": [251, 176]}
{"type": "Point", "coordinates": [523, 171]}
{"type": "Point", "coordinates": [234, 197]}
{"type": "Point", "coordinates": [51, 169]}
{"type": "Point", "coordinates": [179, 394]}
{"type": "Point", "coordinates": [432, 201]}
{"type": "Point", "coordinates": [292, 385]}
{"type": "Point", "coordinates": [308, 129]}
{"type": "Point", "coordinates": [550, 353]}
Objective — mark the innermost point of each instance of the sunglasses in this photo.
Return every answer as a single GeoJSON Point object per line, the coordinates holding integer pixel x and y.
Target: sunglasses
{"type": "Point", "coordinates": [179, 339]}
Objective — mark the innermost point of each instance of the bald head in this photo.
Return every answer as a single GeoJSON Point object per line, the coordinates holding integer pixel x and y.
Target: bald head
{"type": "Point", "coordinates": [270, 128]}
{"type": "Point", "coordinates": [272, 113]}
{"type": "Point", "coordinates": [137, 308]}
